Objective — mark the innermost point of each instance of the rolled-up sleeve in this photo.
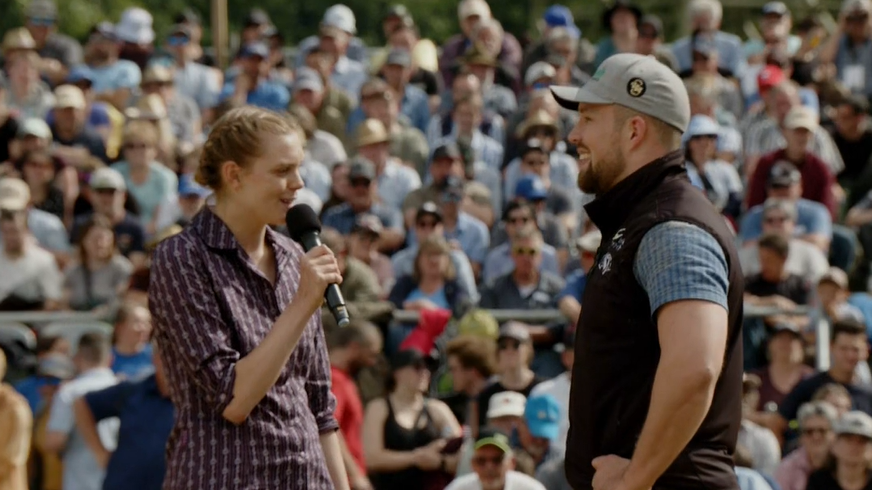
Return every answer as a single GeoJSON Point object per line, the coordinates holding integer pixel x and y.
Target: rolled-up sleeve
{"type": "Point", "coordinates": [193, 336]}
{"type": "Point", "coordinates": [322, 403]}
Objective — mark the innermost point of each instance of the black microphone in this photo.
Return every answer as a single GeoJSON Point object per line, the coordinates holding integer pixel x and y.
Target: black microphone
{"type": "Point", "coordinates": [304, 227]}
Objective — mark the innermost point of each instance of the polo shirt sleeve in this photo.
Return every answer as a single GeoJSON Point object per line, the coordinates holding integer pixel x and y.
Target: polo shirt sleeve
{"type": "Point", "coordinates": [107, 403]}
{"type": "Point", "coordinates": [817, 220]}
{"type": "Point", "coordinates": [60, 416]}
{"type": "Point", "coordinates": [679, 261]}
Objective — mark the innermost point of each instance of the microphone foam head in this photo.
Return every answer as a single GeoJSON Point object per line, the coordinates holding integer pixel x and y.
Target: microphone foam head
{"type": "Point", "coordinates": [301, 219]}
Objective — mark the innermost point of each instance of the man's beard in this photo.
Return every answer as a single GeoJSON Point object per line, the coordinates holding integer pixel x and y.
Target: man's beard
{"type": "Point", "coordinates": [602, 174]}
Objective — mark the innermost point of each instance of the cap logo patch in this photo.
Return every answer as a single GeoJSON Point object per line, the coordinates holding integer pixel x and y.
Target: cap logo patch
{"type": "Point", "coordinates": [636, 87]}
{"type": "Point", "coordinates": [599, 73]}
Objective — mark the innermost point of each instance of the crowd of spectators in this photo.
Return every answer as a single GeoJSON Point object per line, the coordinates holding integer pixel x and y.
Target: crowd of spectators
{"type": "Point", "coordinates": [447, 188]}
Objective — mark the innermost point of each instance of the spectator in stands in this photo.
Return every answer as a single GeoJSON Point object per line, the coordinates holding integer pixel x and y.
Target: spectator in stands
{"type": "Point", "coordinates": [59, 52]}
{"type": "Point", "coordinates": [748, 478]}
{"type": "Point", "coordinates": [517, 215]}
{"type": "Point", "coordinates": [131, 348]}
{"type": "Point", "coordinates": [309, 91]}
{"type": "Point", "coordinates": [414, 104]}
{"type": "Point", "coordinates": [252, 85]}
{"type": "Point", "coordinates": [394, 179]}
{"type": "Point", "coordinates": [706, 17]}
{"type": "Point", "coordinates": [101, 274]}
{"type": "Point", "coordinates": [136, 34]}
{"type": "Point", "coordinates": [39, 169]}
{"type": "Point", "coordinates": [443, 125]}
{"type": "Point", "coordinates": [31, 135]}
{"type": "Point", "coordinates": [404, 432]}
{"type": "Point", "coordinates": [558, 388]}
{"type": "Point", "coordinates": [53, 368]}
{"type": "Point", "coordinates": [844, 47]}
{"type": "Point", "coordinates": [446, 161]}
{"type": "Point", "coordinates": [360, 286]}
{"type": "Point", "coordinates": [803, 258]}
{"type": "Point", "coordinates": [650, 41]}
{"type": "Point", "coordinates": [33, 281]}
{"type": "Point", "coordinates": [82, 470]}
{"type": "Point", "coordinates": [407, 142]}
{"type": "Point", "coordinates": [466, 116]}
{"type": "Point", "coordinates": [505, 413]}
{"type": "Point", "coordinates": [16, 426]}
{"type": "Point", "coordinates": [48, 229]}
{"type": "Point", "coordinates": [497, 82]}
{"type": "Point", "coordinates": [514, 355]}
{"type": "Point", "coordinates": [836, 395]}
{"type": "Point", "coordinates": [114, 79]}
{"type": "Point", "coordinates": [494, 464]}
{"type": "Point", "coordinates": [8, 125]}
{"type": "Point", "coordinates": [148, 181]}
{"type": "Point", "coordinates": [554, 230]}
{"type": "Point", "coordinates": [774, 285]}
{"type": "Point", "coordinates": [462, 230]}
{"type": "Point", "coordinates": [192, 79]}
{"type": "Point", "coordinates": [542, 419]}
{"type": "Point", "coordinates": [813, 221]}
{"type": "Point", "coordinates": [816, 421]}
{"type": "Point", "coordinates": [101, 117]}
{"type": "Point", "coordinates": [832, 294]}
{"type": "Point", "coordinates": [362, 199]}
{"type": "Point", "coordinates": [470, 361]}
{"type": "Point", "coordinates": [718, 179]}
{"type": "Point", "coordinates": [425, 71]}
{"type": "Point", "coordinates": [470, 13]}
{"type": "Point", "coordinates": [75, 142]}
{"type": "Point", "coordinates": [852, 135]}
{"type": "Point", "coordinates": [182, 111]}
{"type": "Point", "coordinates": [336, 31]}
{"type": "Point", "coordinates": [848, 348]}
{"type": "Point", "coordinates": [569, 299]}
{"type": "Point", "coordinates": [351, 348]}
{"type": "Point", "coordinates": [427, 223]}
{"type": "Point", "coordinates": [621, 20]}
{"type": "Point", "coordinates": [181, 208]}
{"type": "Point", "coordinates": [334, 96]}
{"type": "Point", "coordinates": [364, 242]}
{"type": "Point", "coordinates": [850, 466]}
{"type": "Point", "coordinates": [145, 417]}
{"type": "Point", "coordinates": [26, 93]}
{"type": "Point", "coordinates": [763, 446]}
{"type": "Point", "coordinates": [705, 69]}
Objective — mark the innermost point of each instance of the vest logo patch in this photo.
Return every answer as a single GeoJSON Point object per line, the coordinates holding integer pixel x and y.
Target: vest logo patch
{"type": "Point", "coordinates": [605, 263]}
{"type": "Point", "coordinates": [618, 240]}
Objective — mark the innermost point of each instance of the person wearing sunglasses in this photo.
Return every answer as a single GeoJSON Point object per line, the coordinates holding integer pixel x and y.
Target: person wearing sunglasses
{"type": "Point", "coordinates": [59, 52]}
{"type": "Point", "coordinates": [816, 420]}
{"type": "Point", "coordinates": [845, 47]}
{"type": "Point", "coordinates": [493, 463]}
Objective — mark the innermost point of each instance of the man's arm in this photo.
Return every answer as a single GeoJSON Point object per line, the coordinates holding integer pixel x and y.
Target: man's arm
{"type": "Point", "coordinates": [358, 480]}
{"type": "Point", "coordinates": [333, 456]}
{"type": "Point", "coordinates": [15, 433]}
{"type": "Point", "coordinates": [87, 427]}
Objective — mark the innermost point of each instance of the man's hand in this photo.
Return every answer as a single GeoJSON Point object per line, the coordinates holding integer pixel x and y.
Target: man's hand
{"type": "Point", "coordinates": [609, 473]}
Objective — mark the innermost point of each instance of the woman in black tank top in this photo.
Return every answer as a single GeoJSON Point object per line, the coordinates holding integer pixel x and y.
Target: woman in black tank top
{"type": "Point", "coordinates": [404, 433]}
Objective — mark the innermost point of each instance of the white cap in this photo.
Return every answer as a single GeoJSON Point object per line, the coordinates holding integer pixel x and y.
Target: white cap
{"type": "Point", "coordinates": [506, 404]}
{"type": "Point", "coordinates": [539, 69]}
{"type": "Point", "coordinates": [801, 117]}
{"type": "Point", "coordinates": [340, 17]}
{"type": "Point", "coordinates": [135, 26]}
{"type": "Point", "coordinates": [67, 96]}
{"type": "Point", "coordinates": [14, 194]}
{"type": "Point", "coordinates": [107, 178]}
{"type": "Point", "coordinates": [34, 126]}
{"type": "Point", "coordinates": [856, 6]}
{"type": "Point", "coordinates": [855, 423]}
{"type": "Point", "coordinates": [590, 241]}
{"type": "Point", "coordinates": [468, 8]}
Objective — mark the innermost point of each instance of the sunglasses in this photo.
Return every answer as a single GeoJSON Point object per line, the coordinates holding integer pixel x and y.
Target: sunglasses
{"type": "Point", "coordinates": [810, 431]}
{"type": "Point", "coordinates": [530, 251]}
{"type": "Point", "coordinates": [177, 41]}
{"type": "Point", "coordinates": [360, 183]}
{"type": "Point", "coordinates": [105, 192]}
{"type": "Point", "coordinates": [42, 21]}
{"type": "Point", "coordinates": [508, 344]}
{"type": "Point", "coordinates": [518, 220]}
{"type": "Point", "coordinates": [484, 460]}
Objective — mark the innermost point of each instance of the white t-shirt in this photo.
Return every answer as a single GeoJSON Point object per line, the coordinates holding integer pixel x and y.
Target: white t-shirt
{"type": "Point", "coordinates": [34, 276]}
{"type": "Point", "coordinates": [514, 481]}
{"type": "Point", "coordinates": [557, 387]}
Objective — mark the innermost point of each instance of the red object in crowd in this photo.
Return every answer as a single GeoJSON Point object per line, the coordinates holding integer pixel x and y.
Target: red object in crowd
{"type": "Point", "coordinates": [769, 77]}
{"type": "Point", "coordinates": [431, 324]}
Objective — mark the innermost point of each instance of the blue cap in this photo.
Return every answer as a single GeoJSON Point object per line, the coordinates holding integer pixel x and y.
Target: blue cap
{"type": "Point", "coordinates": [703, 126]}
{"type": "Point", "coordinates": [531, 188]}
{"type": "Point", "coordinates": [561, 16]}
{"type": "Point", "coordinates": [79, 73]}
{"type": "Point", "coordinates": [542, 414]}
{"type": "Point", "coordinates": [254, 49]}
{"type": "Point", "coordinates": [188, 187]}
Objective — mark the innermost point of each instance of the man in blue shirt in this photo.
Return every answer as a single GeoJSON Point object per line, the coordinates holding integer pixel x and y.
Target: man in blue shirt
{"type": "Point", "coordinates": [145, 413]}
{"type": "Point", "coordinates": [251, 85]}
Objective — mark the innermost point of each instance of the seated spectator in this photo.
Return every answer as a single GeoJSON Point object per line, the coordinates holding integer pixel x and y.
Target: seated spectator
{"type": "Point", "coordinates": [131, 349]}
{"type": "Point", "coordinates": [152, 109]}
{"type": "Point", "coordinates": [462, 231]}
{"type": "Point", "coordinates": [569, 299]}
{"type": "Point", "coordinates": [75, 143]}
{"type": "Point", "coordinates": [470, 361]}
{"type": "Point", "coordinates": [446, 161]}
{"type": "Point", "coordinates": [805, 260]}
{"type": "Point", "coordinates": [852, 31]}
{"type": "Point", "coordinates": [101, 274]}
{"type": "Point", "coordinates": [144, 413]}
{"type": "Point", "coordinates": [335, 34]}
{"type": "Point", "coordinates": [527, 287]}
{"type": "Point", "coordinates": [309, 92]}
{"type": "Point", "coordinates": [555, 229]}
{"type": "Point", "coordinates": [27, 94]}
{"type": "Point", "coordinates": [762, 445]}
{"type": "Point", "coordinates": [428, 222]}
{"type": "Point", "coordinates": [395, 180]}
{"type": "Point", "coordinates": [542, 419]}
{"type": "Point", "coordinates": [39, 170]}
{"type": "Point", "coordinates": [182, 111]}
{"type": "Point", "coordinates": [323, 151]}
{"type": "Point", "coordinates": [517, 215]}
{"type": "Point", "coordinates": [362, 199]}
{"type": "Point", "coordinates": [363, 245]}
{"type": "Point", "coordinates": [748, 478]}
{"type": "Point", "coordinates": [53, 367]}
{"type": "Point", "coordinates": [192, 79]}
{"type": "Point", "coordinates": [443, 126]}
{"type": "Point", "coordinates": [414, 103]}
{"type": "Point", "coordinates": [621, 21]}
{"type": "Point", "coordinates": [852, 135]}
{"type": "Point", "coordinates": [148, 181]}
{"type": "Point", "coordinates": [848, 348]}
{"type": "Point", "coordinates": [774, 285]}
{"type": "Point", "coordinates": [558, 387]}
{"type": "Point", "coordinates": [832, 295]}
{"type": "Point", "coordinates": [81, 467]}
{"type": "Point", "coordinates": [836, 395]}
{"type": "Point", "coordinates": [404, 432]}
{"type": "Point", "coordinates": [102, 118]}
{"type": "Point", "coordinates": [498, 82]}
{"type": "Point", "coordinates": [251, 85]}
{"type": "Point", "coordinates": [33, 281]}
{"type": "Point", "coordinates": [813, 221]}
{"type": "Point", "coordinates": [114, 79]}
{"type": "Point", "coordinates": [850, 466]}
{"type": "Point", "coordinates": [493, 464]}
{"type": "Point", "coordinates": [514, 355]}
{"type": "Point", "coordinates": [816, 421]}
{"type": "Point", "coordinates": [9, 128]}
{"type": "Point", "coordinates": [466, 116]}
{"type": "Point", "coordinates": [183, 206]}
{"type": "Point", "coordinates": [718, 179]}
{"type": "Point", "coordinates": [32, 135]}
{"type": "Point", "coordinates": [705, 67]}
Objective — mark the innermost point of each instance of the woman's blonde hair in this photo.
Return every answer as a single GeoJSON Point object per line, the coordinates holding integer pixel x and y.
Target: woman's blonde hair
{"type": "Point", "coordinates": [236, 137]}
{"type": "Point", "coordinates": [432, 245]}
{"type": "Point", "coordinates": [141, 130]}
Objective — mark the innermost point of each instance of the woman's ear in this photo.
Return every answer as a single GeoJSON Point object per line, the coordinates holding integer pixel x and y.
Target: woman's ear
{"type": "Point", "coordinates": [230, 174]}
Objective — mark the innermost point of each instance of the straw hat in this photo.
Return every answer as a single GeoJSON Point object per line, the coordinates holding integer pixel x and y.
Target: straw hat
{"type": "Point", "coordinates": [540, 118]}
{"type": "Point", "coordinates": [370, 132]}
{"type": "Point", "coordinates": [18, 39]}
{"type": "Point", "coordinates": [475, 56]}
{"type": "Point", "coordinates": [150, 107]}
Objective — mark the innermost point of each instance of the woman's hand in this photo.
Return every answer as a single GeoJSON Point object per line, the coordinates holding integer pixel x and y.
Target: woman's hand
{"type": "Point", "coordinates": [318, 269]}
{"type": "Point", "coordinates": [429, 457]}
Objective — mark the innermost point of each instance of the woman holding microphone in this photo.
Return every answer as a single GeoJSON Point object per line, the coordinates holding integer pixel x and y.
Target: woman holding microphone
{"type": "Point", "coordinates": [236, 310]}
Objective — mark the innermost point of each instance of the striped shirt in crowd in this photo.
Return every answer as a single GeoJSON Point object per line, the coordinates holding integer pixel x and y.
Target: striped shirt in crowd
{"type": "Point", "coordinates": [211, 306]}
{"type": "Point", "coordinates": [766, 137]}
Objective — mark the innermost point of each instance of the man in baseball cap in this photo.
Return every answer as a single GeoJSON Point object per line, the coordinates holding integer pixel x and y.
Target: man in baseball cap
{"type": "Point", "coordinates": [663, 301]}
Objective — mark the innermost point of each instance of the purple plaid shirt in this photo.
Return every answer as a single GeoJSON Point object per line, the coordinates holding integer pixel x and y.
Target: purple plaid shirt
{"type": "Point", "coordinates": [212, 306]}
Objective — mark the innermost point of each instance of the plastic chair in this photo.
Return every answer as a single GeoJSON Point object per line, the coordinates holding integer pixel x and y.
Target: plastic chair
{"type": "Point", "coordinates": [73, 331]}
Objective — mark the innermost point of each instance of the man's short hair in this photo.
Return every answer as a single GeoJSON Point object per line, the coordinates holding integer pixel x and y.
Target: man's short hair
{"type": "Point", "coordinates": [473, 352]}
{"type": "Point", "coordinates": [847, 327]}
{"type": "Point", "coordinates": [776, 243]}
{"type": "Point", "coordinates": [667, 135]}
{"type": "Point", "coordinates": [817, 409]}
{"type": "Point", "coordinates": [95, 348]}
{"type": "Point", "coordinates": [358, 331]}
{"type": "Point", "coordinates": [858, 104]}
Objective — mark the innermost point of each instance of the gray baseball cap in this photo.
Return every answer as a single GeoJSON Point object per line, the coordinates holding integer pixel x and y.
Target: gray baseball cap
{"type": "Point", "coordinates": [637, 82]}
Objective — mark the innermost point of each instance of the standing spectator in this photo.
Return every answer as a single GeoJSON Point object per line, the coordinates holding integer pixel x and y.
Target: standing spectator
{"type": "Point", "coordinates": [131, 348]}
{"type": "Point", "coordinates": [850, 467]}
{"type": "Point", "coordinates": [470, 361]}
{"type": "Point", "coordinates": [148, 181]}
{"type": "Point", "coordinates": [114, 78]}
{"type": "Point", "coordinates": [32, 279]}
{"type": "Point", "coordinates": [145, 417]}
{"type": "Point", "coordinates": [336, 31]}
{"type": "Point", "coordinates": [191, 78]}
{"type": "Point", "coordinates": [352, 348]}
{"type": "Point", "coordinates": [59, 52]}
{"type": "Point", "coordinates": [101, 274]}
{"type": "Point", "coordinates": [493, 464]}
{"type": "Point", "coordinates": [848, 47]}
{"type": "Point", "coordinates": [16, 424]}
{"type": "Point", "coordinates": [82, 470]}
{"type": "Point", "coordinates": [816, 421]}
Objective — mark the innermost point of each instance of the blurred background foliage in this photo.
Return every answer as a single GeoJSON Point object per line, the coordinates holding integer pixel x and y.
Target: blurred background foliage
{"type": "Point", "coordinates": [437, 19]}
